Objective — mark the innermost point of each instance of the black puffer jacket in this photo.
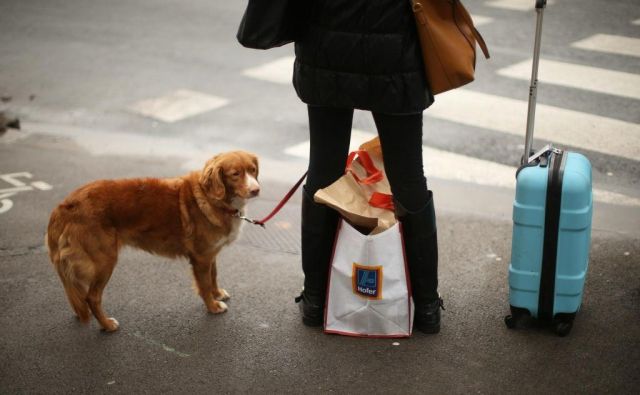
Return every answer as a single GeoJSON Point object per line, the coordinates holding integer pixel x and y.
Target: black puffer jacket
{"type": "Point", "coordinates": [361, 54]}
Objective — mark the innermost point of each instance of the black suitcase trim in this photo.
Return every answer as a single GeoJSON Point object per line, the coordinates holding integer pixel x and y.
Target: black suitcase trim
{"type": "Point", "coordinates": [551, 230]}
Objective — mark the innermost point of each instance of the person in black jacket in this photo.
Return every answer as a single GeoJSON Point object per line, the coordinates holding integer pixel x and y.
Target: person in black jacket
{"type": "Point", "coordinates": [363, 54]}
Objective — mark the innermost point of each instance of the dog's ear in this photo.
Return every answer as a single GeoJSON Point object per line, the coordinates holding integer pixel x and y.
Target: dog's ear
{"type": "Point", "coordinates": [254, 159]}
{"type": "Point", "coordinates": [212, 179]}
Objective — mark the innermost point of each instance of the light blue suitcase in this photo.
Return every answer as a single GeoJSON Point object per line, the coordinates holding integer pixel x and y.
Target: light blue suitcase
{"type": "Point", "coordinates": [551, 228]}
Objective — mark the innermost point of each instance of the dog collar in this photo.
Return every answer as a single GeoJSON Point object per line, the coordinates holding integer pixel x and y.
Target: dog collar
{"type": "Point", "coordinates": [231, 212]}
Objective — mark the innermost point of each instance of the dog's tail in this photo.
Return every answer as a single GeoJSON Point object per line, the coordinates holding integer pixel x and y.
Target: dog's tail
{"type": "Point", "coordinates": [61, 253]}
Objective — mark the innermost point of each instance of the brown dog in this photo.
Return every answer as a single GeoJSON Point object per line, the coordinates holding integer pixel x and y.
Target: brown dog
{"type": "Point", "coordinates": [193, 216]}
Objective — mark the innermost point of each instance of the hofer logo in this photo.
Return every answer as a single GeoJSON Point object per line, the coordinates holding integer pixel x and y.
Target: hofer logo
{"type": "Point", "coordinates": [367, 281]}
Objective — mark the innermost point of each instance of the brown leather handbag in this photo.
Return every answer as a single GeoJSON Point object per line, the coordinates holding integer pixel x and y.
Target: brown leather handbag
{"type": "Point", "coordinates": [448, 40]}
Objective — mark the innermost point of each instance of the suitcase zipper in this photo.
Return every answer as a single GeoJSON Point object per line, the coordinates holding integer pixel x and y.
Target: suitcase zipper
{"type": "Point", "coordinates": [553, 206]}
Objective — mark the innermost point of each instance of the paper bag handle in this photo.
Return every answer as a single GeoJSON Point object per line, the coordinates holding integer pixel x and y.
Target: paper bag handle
{"type": "Point", "coordinates": [373, 173]}
{"type": "Point", "coordinates": [382, 200]}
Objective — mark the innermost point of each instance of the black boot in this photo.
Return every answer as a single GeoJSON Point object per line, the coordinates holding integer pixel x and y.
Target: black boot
{"type": "Point", "coordinates": [421, 246]}
{"type": "Point", "coordinates": [319, 225]}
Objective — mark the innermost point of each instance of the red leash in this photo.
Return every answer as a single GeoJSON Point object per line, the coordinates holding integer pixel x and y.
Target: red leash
{"type": "Point", "coordinates": [380, 200]}
{"type": "Point", "coordinates": [279, 206]}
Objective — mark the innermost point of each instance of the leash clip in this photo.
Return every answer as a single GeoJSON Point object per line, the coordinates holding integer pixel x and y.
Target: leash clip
{"type": "Point", "coordinates": [249, 220]}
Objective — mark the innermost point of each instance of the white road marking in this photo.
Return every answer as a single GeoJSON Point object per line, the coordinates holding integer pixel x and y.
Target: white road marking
{"type": "Point", "coordinates": [620, 45]}
{"type": "Point", "coordinates": [603, 196]}
{"type": "Point", "coordinates": [12, 191]}
{"type": "Point", "coordinates": [302, 150]}
{"type": "Point", "coordinates": [178, 105]}
{"type": "Point", "coordinates": [594, 79]}
{"type": "Point", "coordinates": [481, 20]}
{"type": "Point", "coordinates": [159, 344]}
{"type": "Point", "coordinates": [112, 142]}
{"type": "Point", "coordinates": [515, 5]}
{"type": "Point", "coordinates": [17, 186]}
{"type": "Point", "coordinates": [279, 71]}
{"type": "Point", "coordinates": [557, 125]}
{"type": "Point", "coordinates": [450, 166]}
{"type": "Point", "coordinates": [437, 165]}
{"type": "Point", "coordinates": [12, 178]}
{"type": "Point", "coordinates": [41, 185]}
{"type": "Point", "coordinates": [5, 205]}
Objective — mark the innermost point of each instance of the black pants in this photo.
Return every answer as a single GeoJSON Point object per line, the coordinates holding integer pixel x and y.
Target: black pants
{"type": "Point", "coordinates": [401, 141]}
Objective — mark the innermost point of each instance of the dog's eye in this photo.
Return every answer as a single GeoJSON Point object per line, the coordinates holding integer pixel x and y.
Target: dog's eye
{"type": "Point", "coordinates": [235, 173]}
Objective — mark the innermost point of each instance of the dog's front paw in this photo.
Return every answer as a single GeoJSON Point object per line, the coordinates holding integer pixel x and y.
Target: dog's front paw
{"type": "Point", "coordinates": [218, 307]}
{"type": "Point", "coordinates": [221, 294]}
{"type": "Point", "coordinates": [111, 325]}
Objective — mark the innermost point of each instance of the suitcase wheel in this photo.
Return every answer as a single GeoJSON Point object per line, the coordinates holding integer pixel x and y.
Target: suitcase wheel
{"type": "Point", "coordinates": [510, 321]}
{"type": "Point", "coordinates": [563, 328]}
{"type": "Point", "coordinates": [563, 323]}
{"type": "Point", "coordinates": [519, 318]}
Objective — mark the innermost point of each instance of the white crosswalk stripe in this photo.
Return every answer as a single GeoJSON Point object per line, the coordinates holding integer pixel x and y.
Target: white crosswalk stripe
{"type": "Point", "coordinates": [515, 5]}
{"type": "Point", "coordinates": [608, 43]}
{"type": "Point", "coordinates": [302, 150]}
{"type": "Point", "coordinates": [594, 79]}
{"type": "Point", "coordinates": [279, 71]}
{"type": "Point", "coordinates": [481, 20]}
{"type": "Point", "coordinates": [178, 105]}
{"type": "Point", "coordinates": [505, 115]}
{"type": "Point", "coordinates": [439, 164]}
{"type": "Point", "coordinates": [557, 125]}
{"type": "Point", "coordinates": [450, 166]}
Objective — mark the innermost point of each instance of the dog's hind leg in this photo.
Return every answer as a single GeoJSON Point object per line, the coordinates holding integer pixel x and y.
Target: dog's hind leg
{"type": "Point", "coordinates": [218, 293]}
{"type": "Point", "coordinates": [202, 273]}
{"type": "Point", "coordinates": [77, 294]}
{"type": "Point", "coordinates": [104, 256]}
{"type": "Point", "coordinates": [94, 296]}
{"type": "Point", "coordinates": [74, 269]}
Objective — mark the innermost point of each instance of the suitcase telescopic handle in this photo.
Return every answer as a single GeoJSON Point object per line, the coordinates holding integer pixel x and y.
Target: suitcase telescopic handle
{"type": "Point", "coordinates": [533, 88]}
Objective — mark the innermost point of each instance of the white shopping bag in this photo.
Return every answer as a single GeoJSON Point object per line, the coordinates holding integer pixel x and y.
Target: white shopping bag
{"type": "Point", "coordinates": [369, 292]}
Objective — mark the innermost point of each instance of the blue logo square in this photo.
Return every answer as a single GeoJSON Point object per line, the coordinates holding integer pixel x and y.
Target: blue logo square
{"type": "Point", "coordinates": [367, 281]}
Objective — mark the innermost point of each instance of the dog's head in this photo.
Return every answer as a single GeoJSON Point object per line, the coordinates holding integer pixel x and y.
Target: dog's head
{"type": "Point", "coordinates": [230, 176]}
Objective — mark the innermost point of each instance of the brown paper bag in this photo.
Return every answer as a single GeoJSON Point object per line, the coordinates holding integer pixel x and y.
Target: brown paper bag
{"type": "Point", "coordinates": [351, 194]}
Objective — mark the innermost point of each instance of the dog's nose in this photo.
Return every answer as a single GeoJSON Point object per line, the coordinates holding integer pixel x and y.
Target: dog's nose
{"type": "Point", "coordinates": [254, 192]}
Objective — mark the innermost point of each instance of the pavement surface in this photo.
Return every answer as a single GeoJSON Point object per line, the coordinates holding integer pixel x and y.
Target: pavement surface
{"type": "Point", "coordinates": [168, 343]}
{"type": "Point", "coordinates": [79, 75]}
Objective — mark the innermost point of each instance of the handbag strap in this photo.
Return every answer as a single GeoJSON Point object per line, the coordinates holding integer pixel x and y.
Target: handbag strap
{"type": "Point", "coordinates": [418, 9]}
{"type": "Point", "coordinates": [481, 43]}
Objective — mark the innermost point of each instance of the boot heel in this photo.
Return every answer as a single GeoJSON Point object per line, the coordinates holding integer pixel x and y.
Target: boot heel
{"type": "Point", "coordinates": [427, 319]}
{"type": "Point", "coordinates": [312, 315]}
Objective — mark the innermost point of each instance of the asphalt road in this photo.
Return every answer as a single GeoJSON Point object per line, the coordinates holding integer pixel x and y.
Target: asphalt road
{"type": "Point", "coordinates": [168, 343]}
{"type": "Point", "coordinates": [71, 70]}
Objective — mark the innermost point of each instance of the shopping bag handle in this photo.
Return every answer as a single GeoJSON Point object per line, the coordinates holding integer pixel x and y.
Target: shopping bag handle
{"type": "Point", "coordinates": [382, 200]}
{"type": "Point", "coordinates": [373, 173]}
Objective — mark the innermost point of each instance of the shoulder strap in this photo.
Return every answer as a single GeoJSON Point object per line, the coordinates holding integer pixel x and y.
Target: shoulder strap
{"type": "Point", "coordinates": [481, 43]}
